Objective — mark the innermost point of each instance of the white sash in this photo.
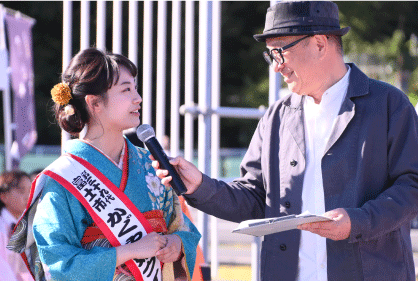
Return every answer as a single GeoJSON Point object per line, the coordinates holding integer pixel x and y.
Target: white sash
{"type": "Point", "coordinates": [113, 212]}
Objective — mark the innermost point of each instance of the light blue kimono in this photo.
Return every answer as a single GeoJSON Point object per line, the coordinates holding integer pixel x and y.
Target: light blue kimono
{"type": "Point", "coordinates": [61, 220]}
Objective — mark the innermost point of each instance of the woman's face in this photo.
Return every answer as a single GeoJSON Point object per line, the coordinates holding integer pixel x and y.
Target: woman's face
{"type": "Point", "coordinates": [121, 109]}
{"type": "Point", "coordinates": [16, 198]}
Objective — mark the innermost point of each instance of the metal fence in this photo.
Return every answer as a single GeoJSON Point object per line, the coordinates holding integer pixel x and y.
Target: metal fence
{"type": "Point", "coordinates": [205, 49]}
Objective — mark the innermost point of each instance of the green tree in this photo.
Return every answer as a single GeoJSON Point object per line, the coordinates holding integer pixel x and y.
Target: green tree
{"type": "Point", "coordinates": [380, 40]}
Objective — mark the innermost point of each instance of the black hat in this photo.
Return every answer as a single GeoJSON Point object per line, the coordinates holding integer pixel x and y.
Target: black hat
{"type": "Point", "coordinates": [290, 18]}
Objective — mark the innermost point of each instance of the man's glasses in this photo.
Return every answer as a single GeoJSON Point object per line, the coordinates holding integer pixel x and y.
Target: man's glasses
{"type": "Point", "coordinates": [277, 54]}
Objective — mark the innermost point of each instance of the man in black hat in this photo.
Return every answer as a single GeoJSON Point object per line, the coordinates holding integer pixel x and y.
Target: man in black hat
{"type": "Point", "coordinates": [341, 144]}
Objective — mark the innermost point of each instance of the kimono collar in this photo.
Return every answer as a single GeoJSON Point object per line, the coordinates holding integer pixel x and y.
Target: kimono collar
{"type": "Point", "coordinates": [120, 163]}
{"type": "Point", "coordinates": [81, 148]}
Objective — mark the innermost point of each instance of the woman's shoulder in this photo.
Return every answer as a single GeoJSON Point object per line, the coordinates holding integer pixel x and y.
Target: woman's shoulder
{"type": "Point", "coordinates": [56, 200]}
{"type": "Point", "coordinates": [53, 190]}
{"type": "Point", "coordinates": [54, 194]}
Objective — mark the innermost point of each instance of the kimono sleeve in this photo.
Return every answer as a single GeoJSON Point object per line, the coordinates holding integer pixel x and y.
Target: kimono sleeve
{"type": "Point", "coordinates": [58, 227]}
{"type": "Point", "coordinates": [178, 224]}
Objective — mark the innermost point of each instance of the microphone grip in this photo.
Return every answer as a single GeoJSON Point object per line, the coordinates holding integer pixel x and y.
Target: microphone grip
{"type": "Point", "coordinates": [158, 152]}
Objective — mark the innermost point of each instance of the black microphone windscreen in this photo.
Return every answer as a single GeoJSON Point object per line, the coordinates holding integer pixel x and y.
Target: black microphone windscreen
{"type": "Point", "coordinates": [144, 132]}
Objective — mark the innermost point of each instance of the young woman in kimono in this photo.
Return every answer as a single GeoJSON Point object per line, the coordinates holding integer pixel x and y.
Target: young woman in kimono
{"type": "Point", "coordinates": [101, 213]}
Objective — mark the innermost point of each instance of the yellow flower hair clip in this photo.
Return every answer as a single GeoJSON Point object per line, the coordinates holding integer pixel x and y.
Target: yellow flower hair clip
{"type": "Point", "coordinates": [61, 94]}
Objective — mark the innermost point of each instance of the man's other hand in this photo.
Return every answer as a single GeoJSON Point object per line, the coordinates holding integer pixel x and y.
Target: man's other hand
{"type": "Point", "coordinates": [337, 229]}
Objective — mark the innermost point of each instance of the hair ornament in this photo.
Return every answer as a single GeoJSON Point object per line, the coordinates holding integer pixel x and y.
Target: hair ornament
{"type": "Point", "coordinates": [69, 110]}
{"type": "Point", "coordinates": [61, 94]}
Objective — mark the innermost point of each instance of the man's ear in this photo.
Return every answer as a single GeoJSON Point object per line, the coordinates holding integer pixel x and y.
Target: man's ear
{"type": "Point", "coordinates": [92, 102]}
{"type": "Point", "coordinates": [321, 45]}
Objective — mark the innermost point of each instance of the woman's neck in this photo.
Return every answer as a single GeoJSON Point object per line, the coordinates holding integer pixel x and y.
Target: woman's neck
{"type": "Point", "coordinates": [110, 143]}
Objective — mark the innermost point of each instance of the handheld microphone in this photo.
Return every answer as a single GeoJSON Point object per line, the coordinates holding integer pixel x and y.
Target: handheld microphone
{"type": "Point", "coordinates": [147, 135]}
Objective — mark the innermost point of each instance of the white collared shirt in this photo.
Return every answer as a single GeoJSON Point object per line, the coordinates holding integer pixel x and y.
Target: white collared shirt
{"type": "Point", "coordinates": [319, 121]}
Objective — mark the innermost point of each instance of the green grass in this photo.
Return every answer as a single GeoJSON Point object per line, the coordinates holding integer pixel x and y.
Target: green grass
{"type": "Point", "coordinates": [234, 273]}
{"type": "Point", "coordinates": [32, 162]}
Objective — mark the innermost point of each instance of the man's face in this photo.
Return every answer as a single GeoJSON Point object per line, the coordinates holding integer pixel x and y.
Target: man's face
{"type": "Point", "coordinates": [298, 69]}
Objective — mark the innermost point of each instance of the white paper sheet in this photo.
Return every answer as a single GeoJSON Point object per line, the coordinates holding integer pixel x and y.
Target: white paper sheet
{"type": "Point", "coordinates": [261, 227]}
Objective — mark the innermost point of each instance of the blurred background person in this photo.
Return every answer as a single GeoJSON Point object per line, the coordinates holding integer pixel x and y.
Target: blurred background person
{"type": "Point", "coordinates": [14, 193]}
{"type": "Point", "coordinates": [6, 271]}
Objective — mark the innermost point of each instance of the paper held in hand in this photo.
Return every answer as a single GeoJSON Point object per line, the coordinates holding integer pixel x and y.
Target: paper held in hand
{"type": "Point", "coordinates": [261, 227]}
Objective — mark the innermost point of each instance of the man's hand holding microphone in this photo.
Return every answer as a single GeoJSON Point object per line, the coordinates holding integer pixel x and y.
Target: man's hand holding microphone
{"type": "Point", "coordinates": [178, 173]}
{"type": "Point", "coordinates": [189, 174]}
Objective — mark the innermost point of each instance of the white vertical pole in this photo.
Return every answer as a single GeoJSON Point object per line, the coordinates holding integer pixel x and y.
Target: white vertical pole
{"type": "Point", "coordinates": [274, 85]}
{"type": "Point", "coordinates": [66, 50]}
{"type": "Point", "coordinates": [8, 127]}
{"type": "Point", "coordinates": [175, 79]}
{"type": "Point", "coordinates": [84, 36]}
{"type": "Point", "coordinates": [147, 64]}
{"type": "Point", "coordinates": [275, 79]}
{"type": "Point", "coordinates": [133, 32]}
{"type": "Point", "coordinates": [255, 258]}
{"type": "Point", "coordinates": [161, 69]}
{"type": "Point", "coordinates": [274, 93]}
{"type": "Point", "coordinates": [189, 79]}
{"type": "Point", "coordinates": [101, 25]}
{"type": "Point", "coordinates": [204, 103]}
{"type": "Point", "coordinates": [117, 27]}
{"type": "Point", "coordinates": [216, 93]}
{"type": "Point", "coordinates": [85, 25]}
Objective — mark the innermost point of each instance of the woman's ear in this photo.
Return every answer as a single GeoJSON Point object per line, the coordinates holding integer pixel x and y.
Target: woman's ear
{"type": "Point", "coordinates": [93, 103]}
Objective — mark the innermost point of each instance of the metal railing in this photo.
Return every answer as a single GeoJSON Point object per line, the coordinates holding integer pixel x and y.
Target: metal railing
{"type": "Point", "coordinates": [207, 110]}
